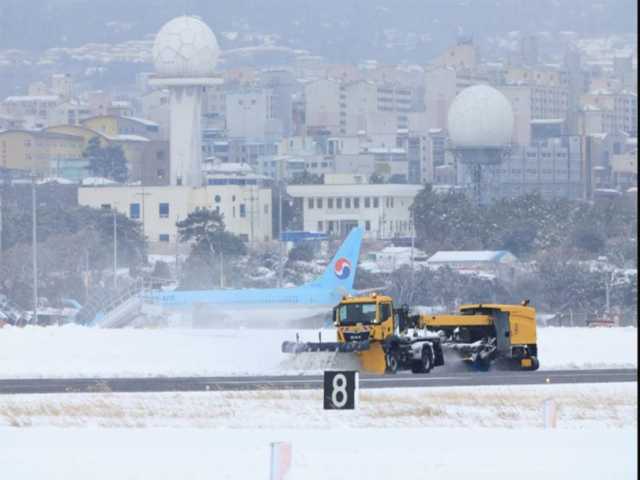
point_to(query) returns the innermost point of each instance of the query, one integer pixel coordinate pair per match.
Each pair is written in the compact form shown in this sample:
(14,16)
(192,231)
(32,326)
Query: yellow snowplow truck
(388,339)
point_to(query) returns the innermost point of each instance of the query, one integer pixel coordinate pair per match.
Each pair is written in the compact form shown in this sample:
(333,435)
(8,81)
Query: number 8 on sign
(339,395)
(340,390)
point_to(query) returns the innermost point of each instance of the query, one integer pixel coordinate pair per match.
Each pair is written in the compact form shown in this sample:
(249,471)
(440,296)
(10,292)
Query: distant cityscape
(345,144)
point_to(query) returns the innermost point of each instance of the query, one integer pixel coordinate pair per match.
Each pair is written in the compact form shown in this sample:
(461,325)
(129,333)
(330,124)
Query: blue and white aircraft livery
(315,297)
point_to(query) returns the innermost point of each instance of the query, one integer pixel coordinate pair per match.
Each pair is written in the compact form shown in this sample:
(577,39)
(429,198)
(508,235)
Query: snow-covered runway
(75,351)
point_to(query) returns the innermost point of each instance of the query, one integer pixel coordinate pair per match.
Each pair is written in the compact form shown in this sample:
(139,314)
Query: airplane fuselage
(307,295)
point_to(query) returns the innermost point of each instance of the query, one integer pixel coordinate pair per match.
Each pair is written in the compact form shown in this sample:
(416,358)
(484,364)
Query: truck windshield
(352,313)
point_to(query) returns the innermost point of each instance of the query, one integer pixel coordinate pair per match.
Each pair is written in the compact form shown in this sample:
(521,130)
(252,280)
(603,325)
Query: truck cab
(375,329)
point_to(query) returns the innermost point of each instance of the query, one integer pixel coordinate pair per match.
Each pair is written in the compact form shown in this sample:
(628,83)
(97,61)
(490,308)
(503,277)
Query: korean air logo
(342,268)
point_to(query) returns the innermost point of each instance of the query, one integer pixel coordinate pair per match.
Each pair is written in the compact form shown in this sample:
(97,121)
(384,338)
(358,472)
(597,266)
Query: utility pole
(607,295)
(34,248)
(177,250)
(115,249)
(280,264)
(221,269)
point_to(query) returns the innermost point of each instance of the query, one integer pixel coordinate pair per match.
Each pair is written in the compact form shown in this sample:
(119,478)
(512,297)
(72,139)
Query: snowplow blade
(301,347)
(371,356)
(373,360)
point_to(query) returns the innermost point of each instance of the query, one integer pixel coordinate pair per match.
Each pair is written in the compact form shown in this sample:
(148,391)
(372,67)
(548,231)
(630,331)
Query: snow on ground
(190,454)
(580,406)
(75,351)
(456,433)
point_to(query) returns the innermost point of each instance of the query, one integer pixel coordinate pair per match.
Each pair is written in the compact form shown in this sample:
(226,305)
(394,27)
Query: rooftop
(446,256)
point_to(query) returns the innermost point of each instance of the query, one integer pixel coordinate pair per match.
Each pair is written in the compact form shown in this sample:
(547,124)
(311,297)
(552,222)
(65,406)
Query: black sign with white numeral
(340,390)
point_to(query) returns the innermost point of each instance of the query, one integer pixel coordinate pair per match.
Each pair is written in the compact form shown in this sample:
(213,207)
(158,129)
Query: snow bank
(190,454)
(75,351)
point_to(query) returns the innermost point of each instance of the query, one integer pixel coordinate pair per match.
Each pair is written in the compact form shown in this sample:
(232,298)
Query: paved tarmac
(300,382)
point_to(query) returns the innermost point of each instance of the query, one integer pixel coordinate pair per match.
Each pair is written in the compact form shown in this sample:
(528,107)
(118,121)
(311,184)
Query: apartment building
(553,168)
(43,152)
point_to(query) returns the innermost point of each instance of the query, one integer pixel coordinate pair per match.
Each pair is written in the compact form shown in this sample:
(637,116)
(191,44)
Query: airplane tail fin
(341,270)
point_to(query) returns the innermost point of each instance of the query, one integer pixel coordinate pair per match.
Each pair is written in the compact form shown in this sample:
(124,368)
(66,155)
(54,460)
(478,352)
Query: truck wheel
(482,364)
(425,364)
(392,362)
(427,359)
(535,364)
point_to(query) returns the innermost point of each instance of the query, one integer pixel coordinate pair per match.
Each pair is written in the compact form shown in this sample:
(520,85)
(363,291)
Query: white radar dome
(480,116)
(185,47)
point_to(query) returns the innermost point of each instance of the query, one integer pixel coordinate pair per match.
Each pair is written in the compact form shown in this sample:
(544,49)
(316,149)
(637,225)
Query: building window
(243,210)
(134,210)
(367,202)
(216,199)
(320,226)
(163,210)
(347,202)
(329,202)
(163,237)
(105,206)
(338,203)
(330,229)
(356,202)
(367,225)
(310,203)
(319,202)
(376,202)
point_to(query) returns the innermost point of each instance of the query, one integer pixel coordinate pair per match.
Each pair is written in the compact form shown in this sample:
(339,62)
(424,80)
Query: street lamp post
(34,248)
(115,249)
(280,263)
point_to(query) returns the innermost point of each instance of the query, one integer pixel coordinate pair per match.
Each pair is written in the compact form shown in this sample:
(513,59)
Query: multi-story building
(10,123)
(155,107)
(553,168)
(246,208)
(383,210)
(624,170)
(71,112)
(34,110)
(115,126)
(357,108)
(147,159)
(323,99)
(62,85)
(281,167)
(610,112)
(283,87)
(42,152)
(249,114)
(247,150)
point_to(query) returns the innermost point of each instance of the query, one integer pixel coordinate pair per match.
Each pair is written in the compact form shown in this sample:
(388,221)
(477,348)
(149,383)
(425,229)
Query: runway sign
(341,390)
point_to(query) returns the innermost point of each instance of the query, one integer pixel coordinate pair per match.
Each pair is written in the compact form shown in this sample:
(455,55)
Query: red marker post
(280,460)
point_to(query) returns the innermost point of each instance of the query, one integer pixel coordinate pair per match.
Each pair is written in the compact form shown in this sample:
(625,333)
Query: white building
(34,110)
(496,263)
(337,206)
(246,208)
(322,109)
(250,115)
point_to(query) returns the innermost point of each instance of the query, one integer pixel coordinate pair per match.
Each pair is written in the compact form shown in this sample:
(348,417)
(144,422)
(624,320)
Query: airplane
(278,305)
